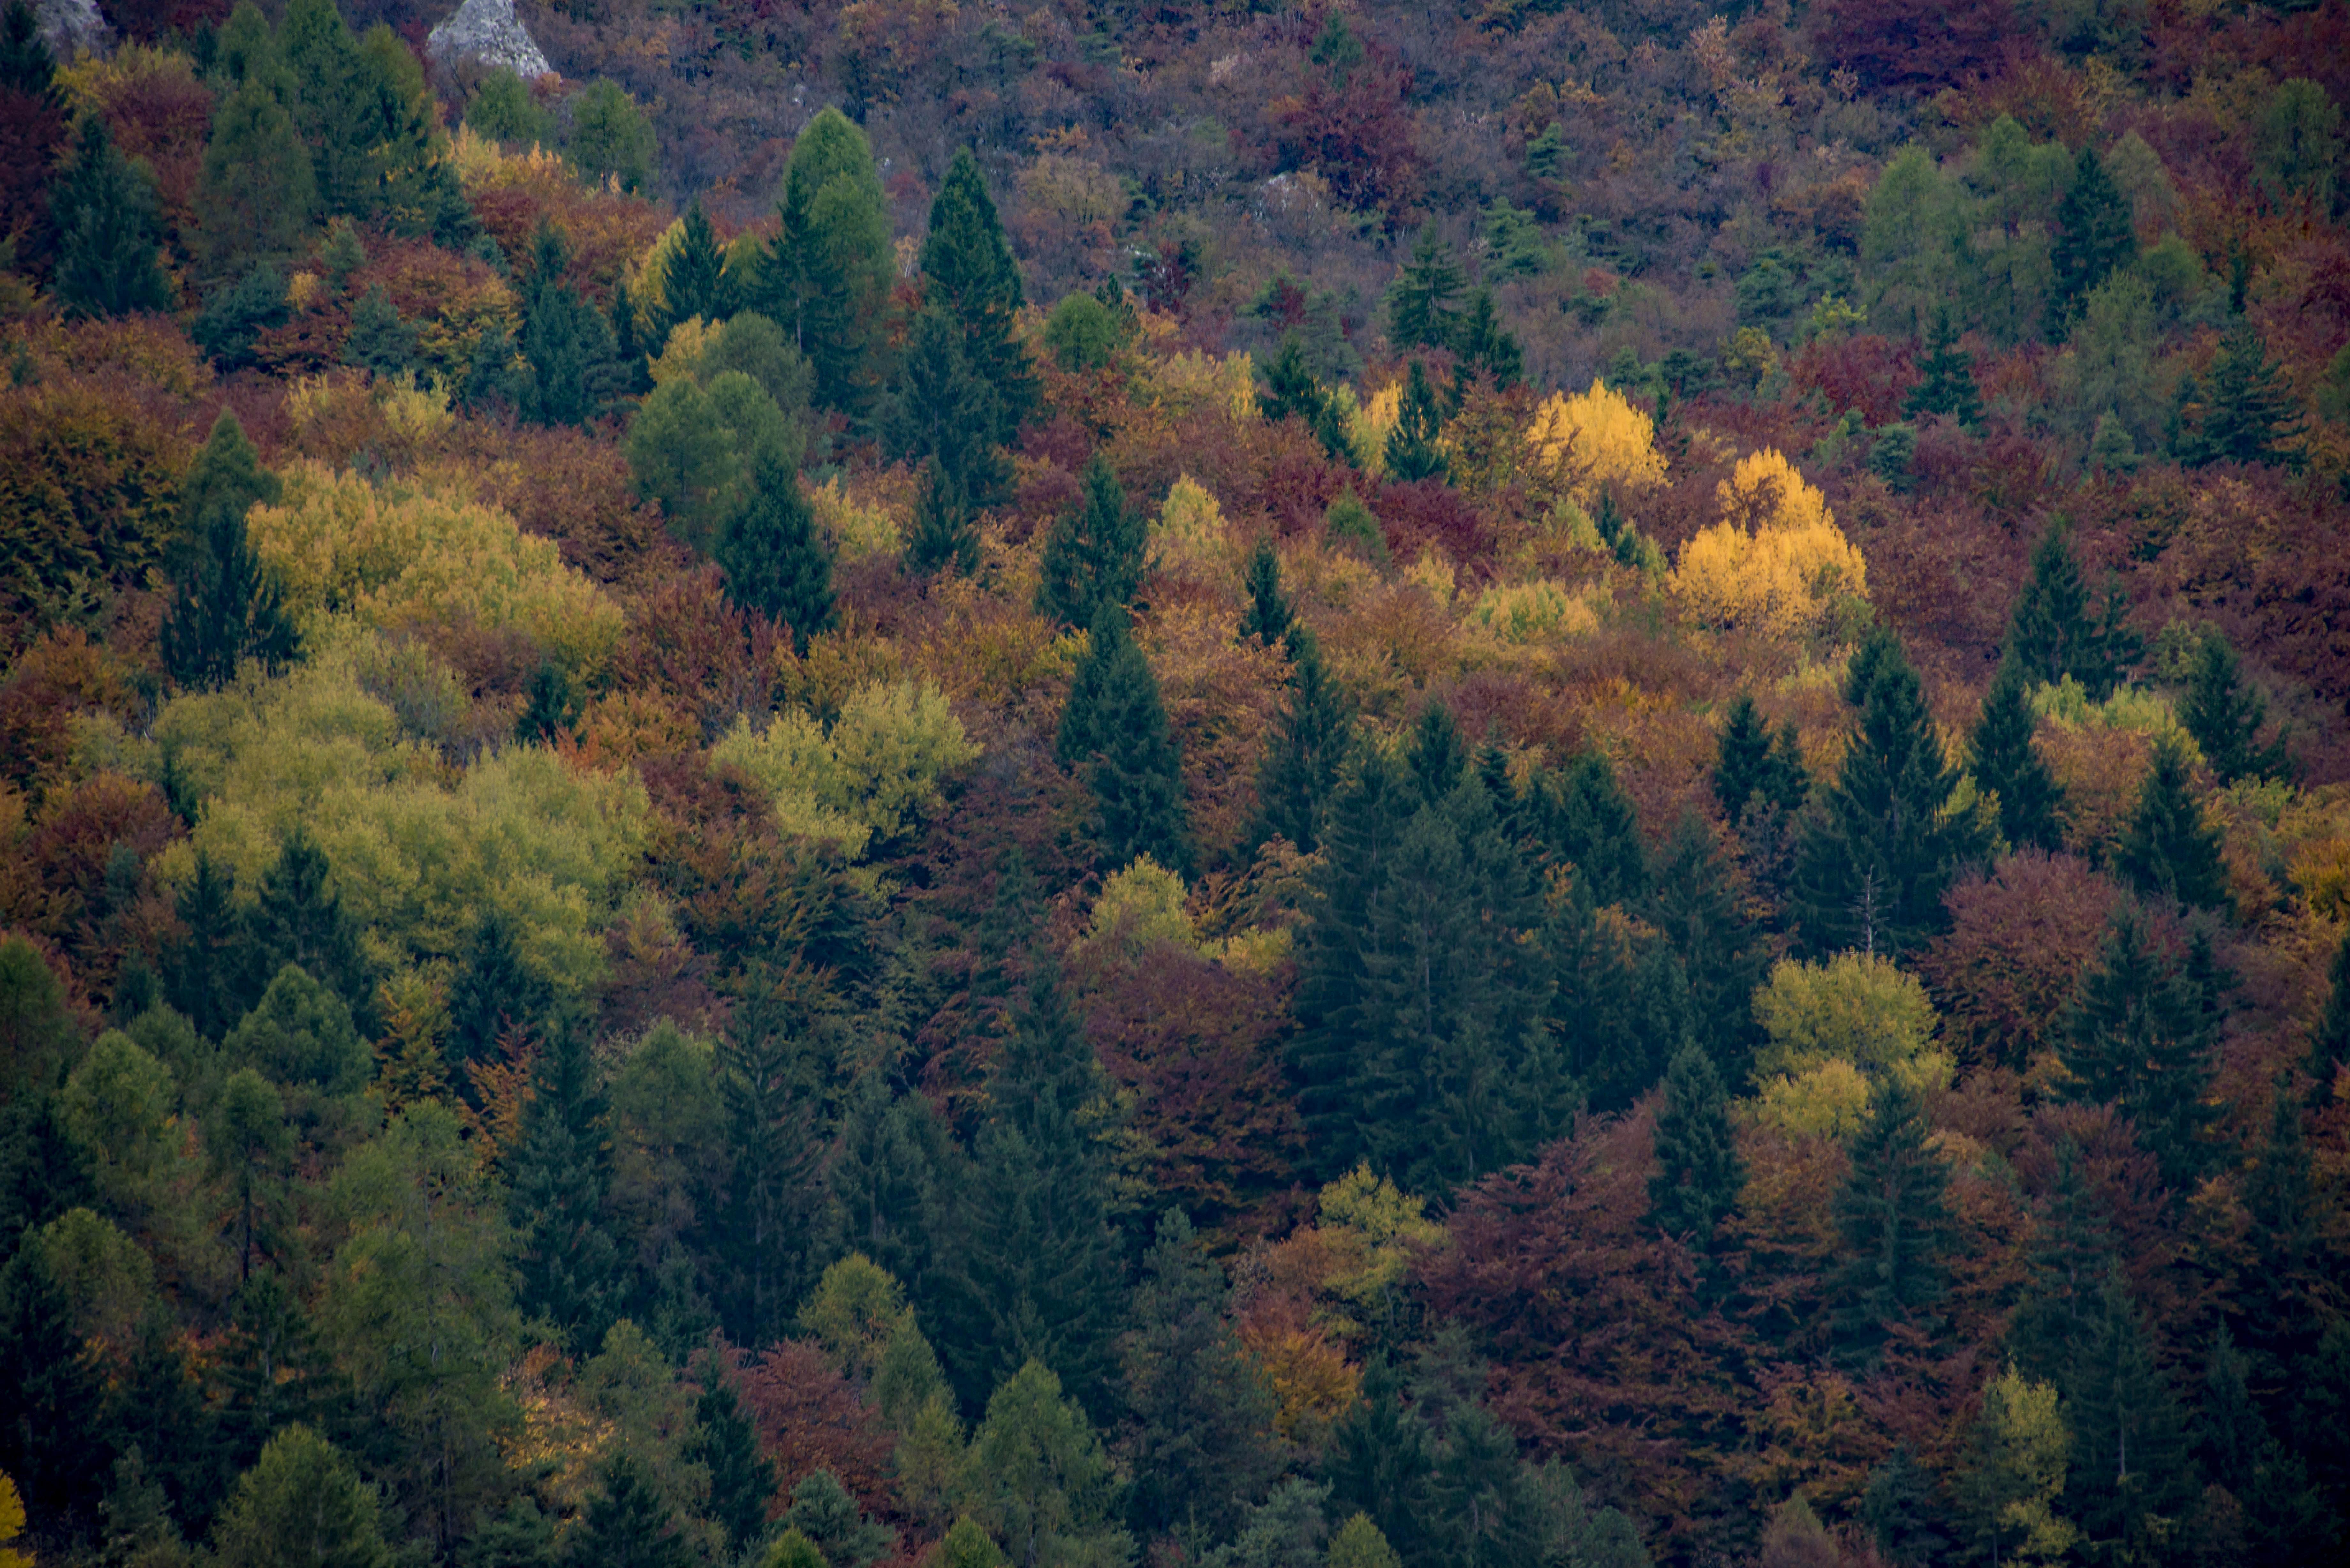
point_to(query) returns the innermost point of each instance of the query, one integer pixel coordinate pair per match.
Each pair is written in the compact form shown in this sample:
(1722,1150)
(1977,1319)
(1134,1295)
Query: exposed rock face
(69,26)
(489,32)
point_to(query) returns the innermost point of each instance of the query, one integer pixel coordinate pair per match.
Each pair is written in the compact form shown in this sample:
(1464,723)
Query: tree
(1298,777)
(2224,715)
(566,343)
(301,1506)
(1358,1543)
(945,534)
(1480,344)
(1945,378)
(2138,1039)
(298,916)
(1352,525)
(827,275)
(380,343)
(696,282)
(2171,850)
(969,272)
(1093,557)
(491,994)
(726,1443)
(1903,1511)
(1419,301)
(2329,1042)
(1114,731)
(1750,765)
(2005,764)
(773,561)
(2051,630)
(1411,450)
(225,608)
(2094,234)
(52,1398)
(1884,843)
(1291,389)
(1698,1173)
(1380,1462)
(823,1511)
(1579,816)
(1198,1441)
(1895,1225)
(764,1218)
(1269,616)
(250,1145)
(2016,1459)
(627,1525)
(611,138)
(561,1178)
(1692,900)
(2250,414)
(258,193)
(1040,1481)
(944,410)
(104,207)
(2128,1481)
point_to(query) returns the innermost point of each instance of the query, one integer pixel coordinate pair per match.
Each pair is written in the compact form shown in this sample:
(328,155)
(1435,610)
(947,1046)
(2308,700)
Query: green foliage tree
(1482,345)
(1114,731)
(1411,450)
(1093,557)
(2053,632)
(1945,378)
(968,272)
(2128,1483)
(1291,389)
(773,559)
(1895,1224)
(611,139)
(561,1180)
(2170,849)
(1579,816)
(568,346)
(1083,333)
(104,207)
(697,282)
(823,1511)
(942,409)
(1884,843)
(2329,1042)
(1690,899)
(1269,616)
(2224,715)
(2072,1246)
(2003,763)
(298,917)
(54,1395)
(1420,309)
(1040,1480)
(2094,234)
(380,342)
(2139,1039)
(503,110)
(258,193)
(1750,765)
(1698,1173)
(2250,414)
(726,1443)
(827,275)
(302,1505)
(628,1524)
(694,450)
(2297,145)
(225,606)
(2017,1455)
(764,1218)
(1298,777)
(945,533)
(250,1144)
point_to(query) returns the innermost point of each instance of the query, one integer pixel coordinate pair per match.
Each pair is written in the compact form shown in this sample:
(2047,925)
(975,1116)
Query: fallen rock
(489,33)
(70,26)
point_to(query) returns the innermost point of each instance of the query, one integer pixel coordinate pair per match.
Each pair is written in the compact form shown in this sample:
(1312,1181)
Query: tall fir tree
(566,343)
(1692,899)
(628,1524)
(2052,630)
(203,973)
(2004,763)
(1884,843)
(1945,378)
(1750,765)
(1269,616)
(2072,1248)
(2224,715)
(1894,1220)
(298,918)
(765,1222)
(2094,237)
(226,606)
(491,993)
(1579,816)
(1114,731)
(108,231)
(1698,1173)
(1380,1462)
(969,272)
(1298,777)
(560,1180)
(2250,413)
(1482,345)
(726,1443)
(1420,309)
(2329,1039)
(944,535)
(259,194)
(332,105)
(942,409)
(1411,450)
(2138,1037)
(380,342)
(1093,557)
(773,559)
(2128,1481)
(698,282)
(1291,389)
(2170,849)
(52,1393)
(825,276)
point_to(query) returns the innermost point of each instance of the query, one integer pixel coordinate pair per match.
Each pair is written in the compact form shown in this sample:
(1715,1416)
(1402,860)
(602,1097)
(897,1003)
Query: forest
(1214,783)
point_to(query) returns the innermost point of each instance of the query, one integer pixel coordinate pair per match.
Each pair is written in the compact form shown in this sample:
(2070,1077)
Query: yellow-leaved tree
(1836,1029)
(12,1525)
(2014,1471)
(1580,443)
(1777,560)
(877,770)
(1189,536)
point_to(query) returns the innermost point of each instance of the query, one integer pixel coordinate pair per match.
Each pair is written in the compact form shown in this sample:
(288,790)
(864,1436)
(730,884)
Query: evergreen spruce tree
(1411,450)
(825,276)
(1268,619)
(2072,1249)
(2138,1038)
(1291,389)
(2329,1042)
(1692,900)
(225,606)
(560,1178)
(1905,1511)
(942,409)
(1093,557)
(491,993)
(697,283)
(2224,715)
(775,562)
(380,342)
(1946,383)
(259,194)
(108,233)
(1380,1462)
(1749,765)
(1580,816)
(2052,631)
(2249,414)
(201,970)
(1698,1173)
(968,271)
(2281,1303)
(2094,237)
(634,368)
(2005,764)
(566,343)
(333,105)
(627,1525)
(767,1243)
(1883,845)
(1420,312)
(1298,774)
(52,1395)
(2127,1484)
(1895,1224)
(25,66)
(297,918)
(1114,733)
(945,535)
(893,1179)
(1482,345)
(2170,849)
(742,1479)
(823,1511)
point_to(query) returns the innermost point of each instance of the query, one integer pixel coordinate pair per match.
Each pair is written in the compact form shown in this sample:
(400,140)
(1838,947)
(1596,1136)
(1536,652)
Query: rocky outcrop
(68,27)
(488,33)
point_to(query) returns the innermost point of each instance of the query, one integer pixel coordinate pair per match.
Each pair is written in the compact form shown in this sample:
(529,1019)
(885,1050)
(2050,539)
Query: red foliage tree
(811,1418)
(2020,936)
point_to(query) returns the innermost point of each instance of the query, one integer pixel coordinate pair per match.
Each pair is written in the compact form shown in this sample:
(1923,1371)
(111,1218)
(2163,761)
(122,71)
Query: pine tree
(1094,556)
(825,276)
(627,1525)
(201,972)
(1298,774)
(297,918)
(1291,389)
(1945,378)
(380,342)
(225,606)
(108,233)
(944,535)
(2051,630)
(2071,1249)
(2281,1303)
(1581,817)
(2138,1038)
(1269,618)
(943,409)
(629,349)
(491,993)
(2224,715)
(1411,450)
(1698,1173)
(1380,1462)
(1420,303)
(1751,766)
(2329,1042)
(2170,849)
(969,272)
(52,1398)
(25,66)
(2128,1479)
(566,343)
(774,560)
(1692,900)
(1481,344)
(767,1239)
(1904,1509)
(697,283)
(2250,414)
(2094,237)
(258,193)
(726,1442)
(1895,1225)
(823,1511)
(1883,846)
(2005,764)
(561,1178)
(1114,731)
(333,105)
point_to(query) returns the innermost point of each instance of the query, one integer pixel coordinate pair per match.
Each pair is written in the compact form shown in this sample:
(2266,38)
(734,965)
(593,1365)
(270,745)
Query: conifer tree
(1291,389)
(2005,764)
(2249,414)
(823,1511)
(2138,1039)
(765,1080)
(726,1442)
(627,1524)
(944,535)
(2052,631)
(629,349)
(1699,1173)
(561,1177)
(1421,311)
(697,283)
(225,606)
(969,272)
(1114,733)
(775,562)
(1269,618)
(825,276)
(2094,237)
(491,993)
(1381,1461)
(2329,1042)
(1895,1224)
(258,193)
(2128,1479)
(297,918)
(104,207)
(1751,766)
(1094,556)
(2280,1310)
(1945,378)
(1411,450)
(1353,526)
(942,409)
(2071,1249)
(1480,344)
(1883,846)
(1298,774)
(1692,900)
(201,972)
(1580,816)
(2171,850)
(52,1396)
(2224,715)
(566,343)
(332,105)
(380,342)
